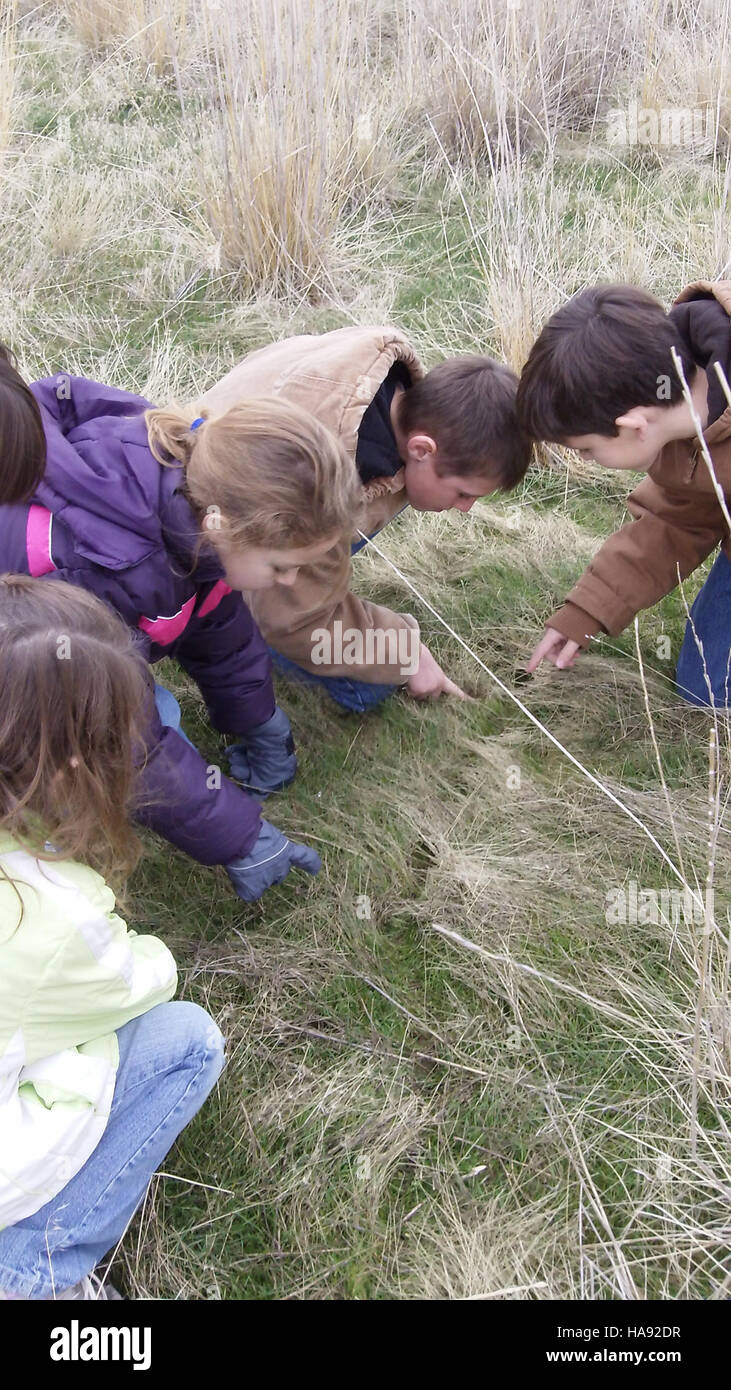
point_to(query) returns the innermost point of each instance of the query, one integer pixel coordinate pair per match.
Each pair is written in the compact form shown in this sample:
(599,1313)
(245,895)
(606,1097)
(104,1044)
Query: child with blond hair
(167,515)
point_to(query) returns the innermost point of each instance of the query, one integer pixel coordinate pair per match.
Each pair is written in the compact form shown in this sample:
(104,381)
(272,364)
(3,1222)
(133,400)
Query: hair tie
(198,422)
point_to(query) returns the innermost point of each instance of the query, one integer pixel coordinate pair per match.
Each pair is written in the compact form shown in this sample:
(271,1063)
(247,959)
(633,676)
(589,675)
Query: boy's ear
(635,419)
(420,447)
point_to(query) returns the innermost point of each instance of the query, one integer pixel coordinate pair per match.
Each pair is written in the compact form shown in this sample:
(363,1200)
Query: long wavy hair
(72,690)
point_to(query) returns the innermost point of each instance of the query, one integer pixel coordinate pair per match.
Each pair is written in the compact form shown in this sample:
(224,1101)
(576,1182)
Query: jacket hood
(101,479)
(334,375)
(701,314)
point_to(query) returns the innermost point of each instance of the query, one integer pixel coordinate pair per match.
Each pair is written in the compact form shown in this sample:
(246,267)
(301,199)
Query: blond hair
(271,471)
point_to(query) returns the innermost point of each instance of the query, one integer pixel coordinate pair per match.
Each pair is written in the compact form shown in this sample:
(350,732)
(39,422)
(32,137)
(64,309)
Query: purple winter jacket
(108,517)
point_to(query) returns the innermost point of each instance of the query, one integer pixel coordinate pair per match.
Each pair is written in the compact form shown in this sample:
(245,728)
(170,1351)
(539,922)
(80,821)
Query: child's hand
(555,648)
(269,862)
(429,681)
(264,759)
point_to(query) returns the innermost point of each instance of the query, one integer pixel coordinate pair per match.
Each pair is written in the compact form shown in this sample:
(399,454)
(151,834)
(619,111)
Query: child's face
(259,567)
(615,451)
(644,430)
(428,492)
(642,434)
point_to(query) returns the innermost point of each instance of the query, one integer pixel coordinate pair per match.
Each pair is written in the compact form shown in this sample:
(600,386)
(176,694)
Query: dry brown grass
(293,143)
(493,79)
(155,33)
(8,19)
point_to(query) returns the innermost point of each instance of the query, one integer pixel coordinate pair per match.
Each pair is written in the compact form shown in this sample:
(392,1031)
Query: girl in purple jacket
(166,518)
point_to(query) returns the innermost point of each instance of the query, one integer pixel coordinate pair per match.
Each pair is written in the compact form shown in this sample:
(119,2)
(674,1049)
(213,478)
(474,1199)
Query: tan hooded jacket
(677,523)
(335,376)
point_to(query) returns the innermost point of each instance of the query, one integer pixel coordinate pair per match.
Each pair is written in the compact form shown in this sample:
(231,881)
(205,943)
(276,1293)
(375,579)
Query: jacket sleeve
(290,617)
(102,976)
(182,797)
(228,659)
(190,802)
(638,565)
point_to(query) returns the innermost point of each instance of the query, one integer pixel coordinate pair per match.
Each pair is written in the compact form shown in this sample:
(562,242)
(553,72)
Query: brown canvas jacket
(335,376)
(677,523)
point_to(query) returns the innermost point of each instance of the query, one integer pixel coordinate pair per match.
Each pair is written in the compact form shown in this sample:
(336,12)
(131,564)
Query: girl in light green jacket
(99,1071)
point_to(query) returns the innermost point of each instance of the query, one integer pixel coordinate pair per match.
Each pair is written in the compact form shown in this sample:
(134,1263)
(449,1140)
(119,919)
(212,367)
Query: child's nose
(466,503)
(288,578)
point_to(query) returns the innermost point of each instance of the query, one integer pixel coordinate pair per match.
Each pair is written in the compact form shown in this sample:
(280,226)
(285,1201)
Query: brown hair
(71,692)
(467,405)
(22,438)
(604,352)
(274,473)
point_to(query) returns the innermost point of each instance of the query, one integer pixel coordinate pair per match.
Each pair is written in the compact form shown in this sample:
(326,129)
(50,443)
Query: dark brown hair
(467,405)
(600,355)
(71,694)
(22,439)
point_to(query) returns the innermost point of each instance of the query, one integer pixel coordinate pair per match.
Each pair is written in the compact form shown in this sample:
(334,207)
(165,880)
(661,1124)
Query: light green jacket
(71,973)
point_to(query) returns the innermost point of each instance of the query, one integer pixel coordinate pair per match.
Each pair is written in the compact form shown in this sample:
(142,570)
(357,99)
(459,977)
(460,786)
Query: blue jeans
(356,696)
(711,618)
(169,1060)
(169,710)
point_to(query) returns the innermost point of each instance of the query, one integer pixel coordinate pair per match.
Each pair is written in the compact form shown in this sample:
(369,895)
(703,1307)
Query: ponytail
(22,437)
(169,433)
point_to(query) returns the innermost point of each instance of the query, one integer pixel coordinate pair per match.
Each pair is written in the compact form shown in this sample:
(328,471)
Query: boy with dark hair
(436,441)
(601,379)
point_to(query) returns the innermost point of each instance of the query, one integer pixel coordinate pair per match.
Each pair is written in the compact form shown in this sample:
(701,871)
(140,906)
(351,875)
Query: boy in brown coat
(600,378)
(435,441)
